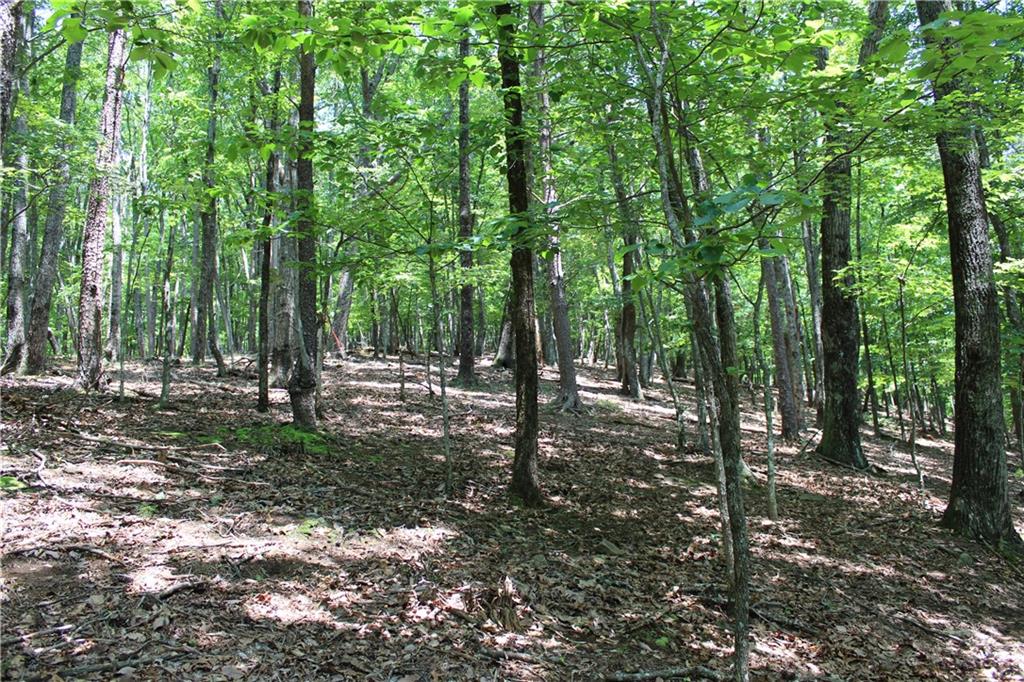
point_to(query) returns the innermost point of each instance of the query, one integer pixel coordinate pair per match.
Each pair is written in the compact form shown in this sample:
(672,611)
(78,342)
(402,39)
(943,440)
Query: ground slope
(204,541)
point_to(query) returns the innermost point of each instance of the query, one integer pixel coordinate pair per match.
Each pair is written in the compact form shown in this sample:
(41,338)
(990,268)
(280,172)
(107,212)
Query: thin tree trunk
(467,369)
(979,499)
(302,385)
(525,485)
(90,302)
(113,347)
(167,305)
(788,403)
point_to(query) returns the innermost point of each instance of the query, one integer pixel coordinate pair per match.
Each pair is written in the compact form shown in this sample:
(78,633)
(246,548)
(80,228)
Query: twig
(103,667)
(502,655)
(931,631)
(181,587)
(31,635)
(808,441)
(103,440)
(89,549)
(691,671)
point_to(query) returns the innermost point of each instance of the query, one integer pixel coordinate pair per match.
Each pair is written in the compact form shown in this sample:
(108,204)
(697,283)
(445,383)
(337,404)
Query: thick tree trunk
(10,15)
(525,484)
(978,503)
(467,373)
(840,436)
(90,301)
(302,385)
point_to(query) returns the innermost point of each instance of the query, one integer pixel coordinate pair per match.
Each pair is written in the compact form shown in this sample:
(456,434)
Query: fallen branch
(666,673)
(931,631)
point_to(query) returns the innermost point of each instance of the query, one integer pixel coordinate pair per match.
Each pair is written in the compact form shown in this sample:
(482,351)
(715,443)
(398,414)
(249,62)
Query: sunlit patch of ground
(191,542)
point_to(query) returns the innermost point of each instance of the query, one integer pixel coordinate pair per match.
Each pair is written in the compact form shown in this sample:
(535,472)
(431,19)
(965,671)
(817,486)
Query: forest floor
(207,542)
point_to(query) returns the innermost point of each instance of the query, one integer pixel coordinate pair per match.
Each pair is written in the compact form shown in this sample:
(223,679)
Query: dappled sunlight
(350,539)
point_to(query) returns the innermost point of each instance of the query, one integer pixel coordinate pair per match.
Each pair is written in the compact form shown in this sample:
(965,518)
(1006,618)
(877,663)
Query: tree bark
(10,15)
(90,301)
(525,484)
(112,351)
(467,360)
(789,405)
(17,278)
(840,436)
(979,500)
(269,186)
(302,385)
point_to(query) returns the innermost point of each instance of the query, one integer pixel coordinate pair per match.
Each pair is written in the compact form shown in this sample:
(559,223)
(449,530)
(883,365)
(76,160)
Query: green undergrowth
(283,438)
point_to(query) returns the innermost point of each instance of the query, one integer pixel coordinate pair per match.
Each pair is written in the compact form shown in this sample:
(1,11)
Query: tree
(525,484)
(17,277)
(568,392)
(302,385)
(205,329)
(978,501)
(467,375)
(53,232)
(90,301)
(840,430)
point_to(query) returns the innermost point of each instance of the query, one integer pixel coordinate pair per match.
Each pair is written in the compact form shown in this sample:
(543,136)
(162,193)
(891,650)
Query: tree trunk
(467,373)
(789,406)
(525,485)
(339,325)
(302,385)
(627,319)
(10,16)
(978,503)
(113,350)
(17,279)
(90,302)
(167,305)
(504,356)
(1012,304)
(840,436)
(269,186)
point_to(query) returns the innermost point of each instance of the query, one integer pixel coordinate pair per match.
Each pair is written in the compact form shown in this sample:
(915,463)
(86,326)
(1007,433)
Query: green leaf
(10,484)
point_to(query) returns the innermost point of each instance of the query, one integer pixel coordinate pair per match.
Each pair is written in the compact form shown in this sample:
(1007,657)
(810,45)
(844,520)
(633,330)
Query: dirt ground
(207,542)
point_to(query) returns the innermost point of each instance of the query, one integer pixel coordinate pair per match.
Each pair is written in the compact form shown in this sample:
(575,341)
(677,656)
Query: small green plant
(147,510)
(308,526)
(10,484)
(286,438)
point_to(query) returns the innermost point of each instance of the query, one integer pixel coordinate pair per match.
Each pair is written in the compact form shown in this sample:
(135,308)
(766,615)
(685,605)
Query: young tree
(978,501)
(302,385)
(53,231)
(90,301)
(568,392)
(525,484)
(467,375)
